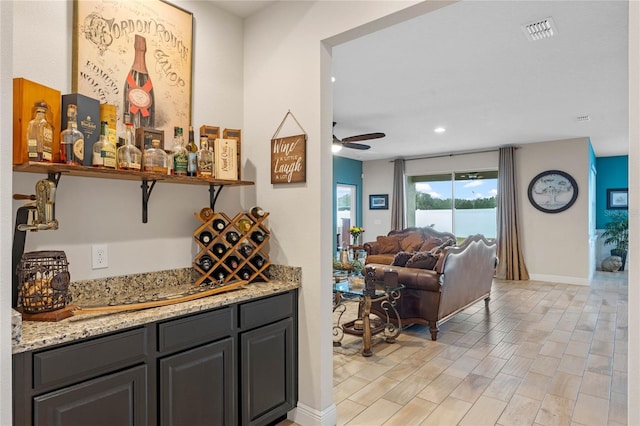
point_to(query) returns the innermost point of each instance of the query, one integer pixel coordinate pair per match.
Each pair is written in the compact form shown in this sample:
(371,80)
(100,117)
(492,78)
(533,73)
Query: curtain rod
(422,157)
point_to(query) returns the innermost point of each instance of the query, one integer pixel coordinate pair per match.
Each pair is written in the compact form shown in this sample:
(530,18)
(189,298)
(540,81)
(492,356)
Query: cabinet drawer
(85,360)
(267,310)
(194,330)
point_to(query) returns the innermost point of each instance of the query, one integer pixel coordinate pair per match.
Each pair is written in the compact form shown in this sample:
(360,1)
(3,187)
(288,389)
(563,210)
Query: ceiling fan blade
(355,145)
(365,137)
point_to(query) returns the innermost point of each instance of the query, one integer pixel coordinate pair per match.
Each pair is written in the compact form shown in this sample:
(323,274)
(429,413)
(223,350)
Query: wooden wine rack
(257,224)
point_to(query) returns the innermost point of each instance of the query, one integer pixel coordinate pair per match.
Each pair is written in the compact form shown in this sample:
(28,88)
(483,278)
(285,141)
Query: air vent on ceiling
(544,28)
(583,118)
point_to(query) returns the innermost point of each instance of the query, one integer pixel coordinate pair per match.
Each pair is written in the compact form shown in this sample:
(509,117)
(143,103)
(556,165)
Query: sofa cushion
(388,244)
(383,259)
(429,243)
(401,258)
(422,260)
(447,243)
(412,241)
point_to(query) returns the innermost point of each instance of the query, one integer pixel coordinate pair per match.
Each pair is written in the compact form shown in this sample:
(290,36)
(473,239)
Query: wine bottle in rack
(232,262)
(245,250)
(232,237)
(219,249)
(257,212)
(218,225)
(244,274)
(205,237)
(257,237)
(257,261)
(205,263)
(244,225)
(219,274)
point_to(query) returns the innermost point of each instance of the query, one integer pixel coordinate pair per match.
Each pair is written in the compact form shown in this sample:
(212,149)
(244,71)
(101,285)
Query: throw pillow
(388,244)
(430,243)
(449,242)
(422,260)
(412,241)
(401,258)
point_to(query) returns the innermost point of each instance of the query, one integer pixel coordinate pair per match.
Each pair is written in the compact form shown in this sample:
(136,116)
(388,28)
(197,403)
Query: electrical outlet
(99,256)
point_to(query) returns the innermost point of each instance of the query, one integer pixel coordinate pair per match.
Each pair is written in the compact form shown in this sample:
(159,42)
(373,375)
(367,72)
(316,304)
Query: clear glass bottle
(40,135)
(205,158)
(192,154)
(180,154)
(128,155)
(72,139)
(154,159)
(104,152)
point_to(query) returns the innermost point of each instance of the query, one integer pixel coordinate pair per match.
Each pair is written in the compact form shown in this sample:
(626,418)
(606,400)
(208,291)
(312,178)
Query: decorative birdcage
(43,278)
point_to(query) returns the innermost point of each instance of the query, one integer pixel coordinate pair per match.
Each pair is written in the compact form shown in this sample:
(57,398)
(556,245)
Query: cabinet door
(197,387)
(268,372)
(116,399)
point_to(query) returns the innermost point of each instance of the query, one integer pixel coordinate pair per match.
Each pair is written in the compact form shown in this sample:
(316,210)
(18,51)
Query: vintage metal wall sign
(289,156)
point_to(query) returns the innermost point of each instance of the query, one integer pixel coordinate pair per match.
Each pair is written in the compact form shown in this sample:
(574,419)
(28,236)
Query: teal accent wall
(349,172)
(613,172)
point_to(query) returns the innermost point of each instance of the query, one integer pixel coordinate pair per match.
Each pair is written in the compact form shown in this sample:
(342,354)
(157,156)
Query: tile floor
(541,354)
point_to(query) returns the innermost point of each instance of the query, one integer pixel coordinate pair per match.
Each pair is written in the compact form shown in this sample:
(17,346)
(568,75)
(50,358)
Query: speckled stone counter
(37,335)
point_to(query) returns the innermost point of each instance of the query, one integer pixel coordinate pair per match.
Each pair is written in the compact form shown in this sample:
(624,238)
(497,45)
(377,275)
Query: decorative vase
(355,240)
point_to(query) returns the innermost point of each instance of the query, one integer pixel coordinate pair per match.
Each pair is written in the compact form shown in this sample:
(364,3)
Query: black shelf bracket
(146,192)
(213,195)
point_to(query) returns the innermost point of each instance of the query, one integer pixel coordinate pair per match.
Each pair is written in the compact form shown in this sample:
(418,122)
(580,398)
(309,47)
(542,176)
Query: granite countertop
(31,335)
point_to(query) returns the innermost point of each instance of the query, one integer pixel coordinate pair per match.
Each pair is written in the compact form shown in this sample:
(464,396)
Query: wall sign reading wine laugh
(289,156)
(135,54)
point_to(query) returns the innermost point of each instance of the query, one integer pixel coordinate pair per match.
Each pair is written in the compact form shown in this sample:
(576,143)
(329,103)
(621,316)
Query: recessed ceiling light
(439,130)
(333,79)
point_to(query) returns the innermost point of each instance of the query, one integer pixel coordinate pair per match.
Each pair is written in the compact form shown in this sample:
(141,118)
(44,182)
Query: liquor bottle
(244,274)
(154,159)
(218,224)
(257,261)
(232,237)
(104,152)
(192,155)
(205,237)
(205,263)
(204,158)
(71,139)
(257,237)
(128,155)
(257,212)
(244,225)
(180,154)
(219,249)
(232,262)
(139,101)
(40,135)
(245,250)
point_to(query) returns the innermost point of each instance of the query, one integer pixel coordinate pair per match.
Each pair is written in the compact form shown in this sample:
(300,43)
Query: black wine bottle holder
(219,236)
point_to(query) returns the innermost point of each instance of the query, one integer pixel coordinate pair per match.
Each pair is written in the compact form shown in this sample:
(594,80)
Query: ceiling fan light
(336,147)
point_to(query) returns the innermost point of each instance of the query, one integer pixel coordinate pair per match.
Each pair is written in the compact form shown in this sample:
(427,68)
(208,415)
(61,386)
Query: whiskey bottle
(180,154)
(128,155)
(204,158)
(104,152)
(154,159)
(40,135)
(192,155)
(138,89)
(71,139)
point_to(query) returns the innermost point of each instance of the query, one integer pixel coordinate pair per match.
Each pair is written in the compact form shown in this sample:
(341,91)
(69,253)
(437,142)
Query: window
(463,203)
(346,212)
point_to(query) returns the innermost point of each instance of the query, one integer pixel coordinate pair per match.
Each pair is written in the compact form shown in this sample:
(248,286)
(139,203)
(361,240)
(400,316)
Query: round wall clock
(553,191)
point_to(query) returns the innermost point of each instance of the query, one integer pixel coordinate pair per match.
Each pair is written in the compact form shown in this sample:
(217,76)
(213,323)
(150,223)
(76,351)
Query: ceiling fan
(349,142)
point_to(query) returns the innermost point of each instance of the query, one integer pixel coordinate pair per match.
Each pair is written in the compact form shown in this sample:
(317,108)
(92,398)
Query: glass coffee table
(366,324)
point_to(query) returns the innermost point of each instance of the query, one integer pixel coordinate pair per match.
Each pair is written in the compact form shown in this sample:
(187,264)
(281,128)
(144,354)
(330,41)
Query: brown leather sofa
(385,248)
(462,276)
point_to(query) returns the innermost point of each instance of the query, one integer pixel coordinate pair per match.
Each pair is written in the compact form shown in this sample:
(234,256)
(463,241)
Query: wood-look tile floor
(541,354)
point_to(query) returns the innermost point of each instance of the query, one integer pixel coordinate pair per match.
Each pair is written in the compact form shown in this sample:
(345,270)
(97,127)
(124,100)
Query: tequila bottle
(71,139)
(104,152)
(40,135)
(129,156)
(205,158)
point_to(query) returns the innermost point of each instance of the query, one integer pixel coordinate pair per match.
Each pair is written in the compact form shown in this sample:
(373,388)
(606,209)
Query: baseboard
(307,416)
(560,279)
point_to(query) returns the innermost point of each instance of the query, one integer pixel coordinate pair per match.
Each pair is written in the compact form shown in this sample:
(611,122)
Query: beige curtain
(397,207)
(511,264)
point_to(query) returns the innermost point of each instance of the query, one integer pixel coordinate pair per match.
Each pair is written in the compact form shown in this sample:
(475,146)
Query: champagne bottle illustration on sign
(138,89)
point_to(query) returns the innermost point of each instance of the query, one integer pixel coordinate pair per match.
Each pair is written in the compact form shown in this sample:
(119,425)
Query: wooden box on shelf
(223,256)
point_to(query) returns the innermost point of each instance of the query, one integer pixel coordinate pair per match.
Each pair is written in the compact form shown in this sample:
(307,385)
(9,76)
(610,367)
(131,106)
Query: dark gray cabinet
(232,365)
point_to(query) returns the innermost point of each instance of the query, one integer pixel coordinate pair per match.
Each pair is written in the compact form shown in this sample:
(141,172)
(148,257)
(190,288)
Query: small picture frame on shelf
(379,202)
(617,198)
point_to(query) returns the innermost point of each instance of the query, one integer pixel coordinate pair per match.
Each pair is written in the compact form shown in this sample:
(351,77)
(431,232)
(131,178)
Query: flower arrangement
(355,232)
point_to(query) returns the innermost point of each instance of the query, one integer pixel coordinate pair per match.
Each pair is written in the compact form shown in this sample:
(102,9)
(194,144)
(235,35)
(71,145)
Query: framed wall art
(552,191)
(137,55)
(379,202)
(617,198)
